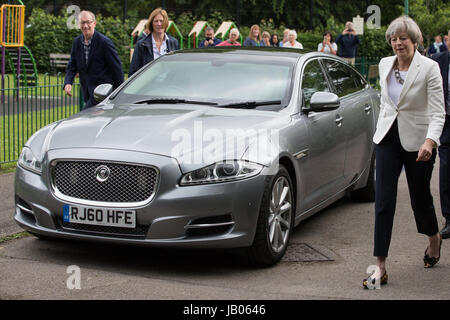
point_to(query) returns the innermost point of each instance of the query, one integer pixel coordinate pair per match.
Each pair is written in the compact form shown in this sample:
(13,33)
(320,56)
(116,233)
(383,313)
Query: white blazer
(420,111)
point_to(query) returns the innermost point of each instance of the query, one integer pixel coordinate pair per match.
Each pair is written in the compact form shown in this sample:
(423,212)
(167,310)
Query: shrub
(45,34)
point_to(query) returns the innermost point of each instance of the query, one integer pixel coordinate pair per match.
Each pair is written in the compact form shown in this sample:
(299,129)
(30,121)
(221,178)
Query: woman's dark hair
(331,36)
(278,40)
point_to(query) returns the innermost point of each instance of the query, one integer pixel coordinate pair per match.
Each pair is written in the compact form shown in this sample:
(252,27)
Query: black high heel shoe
(429,262)
(383,281)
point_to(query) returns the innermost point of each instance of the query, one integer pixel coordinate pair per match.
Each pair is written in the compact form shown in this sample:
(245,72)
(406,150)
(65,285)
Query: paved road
(37,269)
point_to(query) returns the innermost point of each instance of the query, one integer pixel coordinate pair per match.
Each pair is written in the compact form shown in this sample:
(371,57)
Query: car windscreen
(220,78)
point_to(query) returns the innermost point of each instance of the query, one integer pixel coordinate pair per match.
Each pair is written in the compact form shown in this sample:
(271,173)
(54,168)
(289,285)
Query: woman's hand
(426,150)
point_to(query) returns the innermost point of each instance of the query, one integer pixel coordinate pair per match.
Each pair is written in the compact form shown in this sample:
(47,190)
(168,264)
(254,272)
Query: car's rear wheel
(275,222)
(367,194)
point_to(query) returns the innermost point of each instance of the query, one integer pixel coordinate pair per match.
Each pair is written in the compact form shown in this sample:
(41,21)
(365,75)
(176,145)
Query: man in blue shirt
(348,41)
(210,41)
(437,47)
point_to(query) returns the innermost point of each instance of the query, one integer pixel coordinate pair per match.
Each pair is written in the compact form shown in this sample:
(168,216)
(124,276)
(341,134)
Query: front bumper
(216,215)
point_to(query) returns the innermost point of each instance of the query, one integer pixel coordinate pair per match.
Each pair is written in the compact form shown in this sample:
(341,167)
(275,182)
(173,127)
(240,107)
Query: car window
(217,78)
(359,80)
(313,80)
(342,77)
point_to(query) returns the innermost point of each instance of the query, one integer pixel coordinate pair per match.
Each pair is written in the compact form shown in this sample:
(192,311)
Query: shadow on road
(135,260)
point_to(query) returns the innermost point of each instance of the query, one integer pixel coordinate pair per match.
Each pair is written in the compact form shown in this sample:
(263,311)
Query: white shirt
(395,87)
(162,50)
(297,45)
(327,48)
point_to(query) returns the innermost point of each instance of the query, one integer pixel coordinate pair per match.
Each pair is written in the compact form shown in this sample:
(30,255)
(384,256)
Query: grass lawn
(7,168)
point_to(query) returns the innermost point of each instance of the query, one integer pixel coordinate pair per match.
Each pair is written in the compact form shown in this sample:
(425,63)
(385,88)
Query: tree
(432,16)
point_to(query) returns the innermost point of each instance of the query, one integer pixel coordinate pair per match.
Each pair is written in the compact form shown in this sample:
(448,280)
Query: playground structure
(221,33)
(196,32)
(224,30)
(194,36)
(16,56)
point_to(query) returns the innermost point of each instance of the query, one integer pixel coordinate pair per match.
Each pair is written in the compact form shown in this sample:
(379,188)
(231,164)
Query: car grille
(127,183)
(139,231)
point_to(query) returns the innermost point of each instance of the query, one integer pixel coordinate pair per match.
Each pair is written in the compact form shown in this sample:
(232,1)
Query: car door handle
(339,120)
(367,108)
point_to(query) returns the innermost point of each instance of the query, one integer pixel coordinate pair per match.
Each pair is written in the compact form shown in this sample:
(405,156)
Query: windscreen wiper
(174,101)
(249,104)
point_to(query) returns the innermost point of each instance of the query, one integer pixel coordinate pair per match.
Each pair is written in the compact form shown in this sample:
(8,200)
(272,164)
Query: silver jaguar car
(213,148)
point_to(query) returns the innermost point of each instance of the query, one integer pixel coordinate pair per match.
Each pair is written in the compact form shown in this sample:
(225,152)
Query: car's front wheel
(275,222)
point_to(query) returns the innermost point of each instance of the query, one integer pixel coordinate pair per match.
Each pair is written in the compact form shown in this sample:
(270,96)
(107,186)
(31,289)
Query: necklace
(397,74)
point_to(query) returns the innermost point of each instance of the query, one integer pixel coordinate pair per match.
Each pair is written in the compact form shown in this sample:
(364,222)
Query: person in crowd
(421,47)
(156,44)
(409,126)
(274,41)
(209,41)
(327,45)
(254,38)
(447,41)
(135,37)
(285,37)
(94,57)
(292,43)
(443,59)
(348,42)
(233,39)
(139,36)
(265,42)
(437,46)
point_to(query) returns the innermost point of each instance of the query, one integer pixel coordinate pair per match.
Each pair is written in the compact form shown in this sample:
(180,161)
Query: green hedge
(45,34)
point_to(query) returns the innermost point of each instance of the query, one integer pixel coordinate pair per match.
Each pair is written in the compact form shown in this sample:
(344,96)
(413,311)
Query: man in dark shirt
(94,58)
(210,41)
(348,41)
(443,59)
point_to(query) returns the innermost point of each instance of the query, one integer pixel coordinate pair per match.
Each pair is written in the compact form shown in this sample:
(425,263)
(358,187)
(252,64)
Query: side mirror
(102,91)
(324,101)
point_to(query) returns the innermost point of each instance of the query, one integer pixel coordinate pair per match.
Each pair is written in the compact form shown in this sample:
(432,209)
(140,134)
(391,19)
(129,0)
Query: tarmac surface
(327,259)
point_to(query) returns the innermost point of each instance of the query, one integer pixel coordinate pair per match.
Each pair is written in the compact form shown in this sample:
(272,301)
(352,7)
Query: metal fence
(25,110)
(368,67)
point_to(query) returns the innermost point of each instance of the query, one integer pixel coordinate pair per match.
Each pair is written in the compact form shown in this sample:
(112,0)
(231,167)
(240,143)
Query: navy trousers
(444,169)
(390,159)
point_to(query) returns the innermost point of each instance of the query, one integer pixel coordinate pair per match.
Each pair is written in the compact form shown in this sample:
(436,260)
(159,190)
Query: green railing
(25,110)
(368,67)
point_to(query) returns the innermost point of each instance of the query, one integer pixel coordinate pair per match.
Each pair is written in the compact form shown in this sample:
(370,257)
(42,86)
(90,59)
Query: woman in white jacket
(409,125)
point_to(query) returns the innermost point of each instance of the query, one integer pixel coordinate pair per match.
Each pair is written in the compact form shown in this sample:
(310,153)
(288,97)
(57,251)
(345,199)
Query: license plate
(100,216)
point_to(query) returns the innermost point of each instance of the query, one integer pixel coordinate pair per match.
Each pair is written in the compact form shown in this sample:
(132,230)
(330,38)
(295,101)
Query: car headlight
(222,172)
(28,161)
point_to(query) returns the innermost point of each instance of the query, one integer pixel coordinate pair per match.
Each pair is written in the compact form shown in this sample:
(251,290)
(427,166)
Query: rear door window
(342,77)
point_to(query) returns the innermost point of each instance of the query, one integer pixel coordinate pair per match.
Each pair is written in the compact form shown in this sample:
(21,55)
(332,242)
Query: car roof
(264,51)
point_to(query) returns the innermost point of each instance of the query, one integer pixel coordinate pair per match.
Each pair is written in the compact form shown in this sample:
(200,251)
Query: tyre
(367,194)
(275,221)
